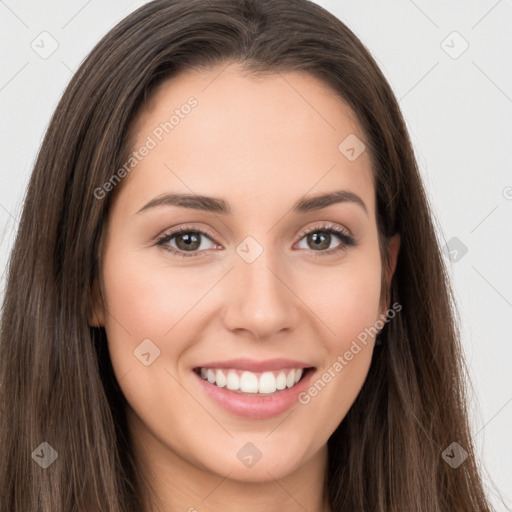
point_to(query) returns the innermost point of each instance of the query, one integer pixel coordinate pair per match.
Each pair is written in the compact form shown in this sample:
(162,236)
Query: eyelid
(172,232)
(324,225)
(341,232)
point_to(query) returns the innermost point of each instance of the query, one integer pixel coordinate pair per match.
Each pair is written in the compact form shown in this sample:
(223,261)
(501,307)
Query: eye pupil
(319,240)
(189,240)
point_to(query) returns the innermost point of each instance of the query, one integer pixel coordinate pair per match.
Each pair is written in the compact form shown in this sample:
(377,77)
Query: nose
(259,298)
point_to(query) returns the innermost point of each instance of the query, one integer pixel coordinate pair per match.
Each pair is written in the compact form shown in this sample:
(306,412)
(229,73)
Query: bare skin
(261,145)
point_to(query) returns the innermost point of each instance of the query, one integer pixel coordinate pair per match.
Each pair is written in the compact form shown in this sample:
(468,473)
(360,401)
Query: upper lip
(253,365)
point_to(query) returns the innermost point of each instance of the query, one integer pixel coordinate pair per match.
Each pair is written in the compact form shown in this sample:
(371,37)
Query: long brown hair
(56,380)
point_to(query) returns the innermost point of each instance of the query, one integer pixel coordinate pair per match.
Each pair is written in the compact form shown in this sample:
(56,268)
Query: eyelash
(347,239)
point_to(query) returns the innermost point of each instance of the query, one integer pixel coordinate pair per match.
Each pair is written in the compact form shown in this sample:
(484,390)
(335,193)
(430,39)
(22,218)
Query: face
(266,292)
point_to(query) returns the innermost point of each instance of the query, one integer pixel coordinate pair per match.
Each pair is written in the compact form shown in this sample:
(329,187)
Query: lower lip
(256,407)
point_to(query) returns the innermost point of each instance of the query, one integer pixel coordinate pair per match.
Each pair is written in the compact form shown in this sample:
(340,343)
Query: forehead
(247,137)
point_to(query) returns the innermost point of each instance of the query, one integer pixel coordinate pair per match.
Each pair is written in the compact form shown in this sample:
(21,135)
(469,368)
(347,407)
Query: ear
(97,318)
(393,250)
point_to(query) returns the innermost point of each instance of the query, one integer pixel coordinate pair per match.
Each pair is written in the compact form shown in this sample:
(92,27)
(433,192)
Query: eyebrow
(216,205)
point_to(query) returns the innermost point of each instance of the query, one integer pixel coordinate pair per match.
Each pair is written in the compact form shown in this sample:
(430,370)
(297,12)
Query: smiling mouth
(253,383)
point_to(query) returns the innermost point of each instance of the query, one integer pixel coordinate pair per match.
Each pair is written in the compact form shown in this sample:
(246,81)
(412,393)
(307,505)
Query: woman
(226,290)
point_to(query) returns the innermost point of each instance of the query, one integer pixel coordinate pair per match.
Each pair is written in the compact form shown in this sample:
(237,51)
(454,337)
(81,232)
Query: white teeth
(281,381)
(220,379)
(233,381)
(249,382)
(267,383)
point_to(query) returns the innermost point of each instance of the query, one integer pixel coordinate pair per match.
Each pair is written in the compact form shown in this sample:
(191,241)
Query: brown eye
(320,238)
(188,241)
(185,241)
(318,242)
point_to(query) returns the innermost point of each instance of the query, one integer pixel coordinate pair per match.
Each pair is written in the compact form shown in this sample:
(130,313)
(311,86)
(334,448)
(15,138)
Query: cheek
(145,301)
(346,297)
(150,312)
(149,299)
(354,304)
(347,300)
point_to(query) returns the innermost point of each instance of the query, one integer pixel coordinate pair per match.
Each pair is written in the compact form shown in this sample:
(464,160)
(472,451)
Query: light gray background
(458,110)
